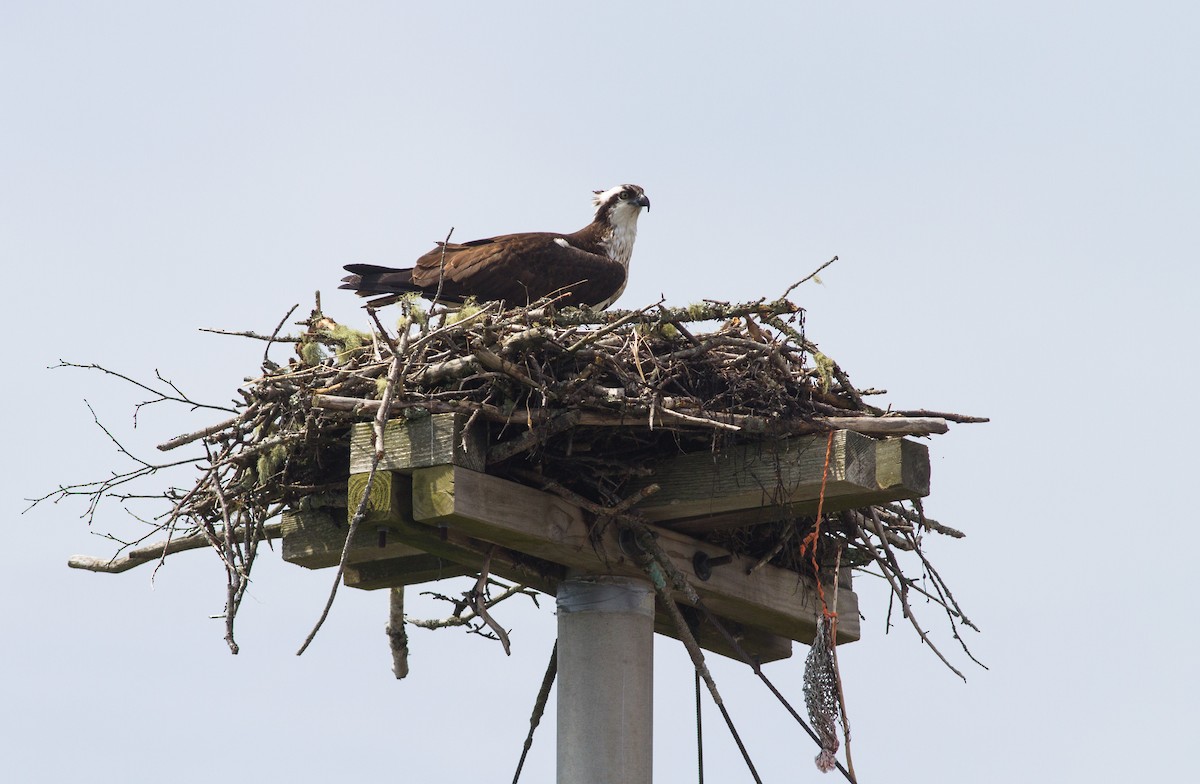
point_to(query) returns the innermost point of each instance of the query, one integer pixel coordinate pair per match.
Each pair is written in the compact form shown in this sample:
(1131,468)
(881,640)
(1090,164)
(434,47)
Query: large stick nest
(578,400)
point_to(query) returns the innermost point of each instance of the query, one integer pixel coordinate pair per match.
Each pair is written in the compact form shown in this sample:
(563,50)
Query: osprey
(589,267)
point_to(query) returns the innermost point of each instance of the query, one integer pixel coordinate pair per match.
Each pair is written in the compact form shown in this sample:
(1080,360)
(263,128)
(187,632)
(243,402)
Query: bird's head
(621,205)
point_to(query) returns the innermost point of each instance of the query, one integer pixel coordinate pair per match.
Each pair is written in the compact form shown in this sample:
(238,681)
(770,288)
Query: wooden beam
(902,464)
(390,507)
(436,439)
(545,526)
(759,643)
(314,539)
(752,483)
(398,572)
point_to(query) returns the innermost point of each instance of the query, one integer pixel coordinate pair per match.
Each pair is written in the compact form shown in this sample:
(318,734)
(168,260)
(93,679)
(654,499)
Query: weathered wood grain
(392,510)
(436,439)
(759,643)
(543,525)
(397,572)
(752,483)
(314,538)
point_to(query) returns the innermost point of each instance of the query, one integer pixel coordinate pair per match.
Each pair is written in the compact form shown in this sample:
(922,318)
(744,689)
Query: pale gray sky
(1012,189)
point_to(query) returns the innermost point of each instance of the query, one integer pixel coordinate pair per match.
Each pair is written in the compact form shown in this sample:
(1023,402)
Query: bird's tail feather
(369,280)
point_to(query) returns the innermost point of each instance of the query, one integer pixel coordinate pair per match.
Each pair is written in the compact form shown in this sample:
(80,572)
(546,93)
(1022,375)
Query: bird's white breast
(619,243)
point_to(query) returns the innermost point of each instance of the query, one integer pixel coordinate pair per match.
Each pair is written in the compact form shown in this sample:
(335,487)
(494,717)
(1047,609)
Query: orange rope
(809,543)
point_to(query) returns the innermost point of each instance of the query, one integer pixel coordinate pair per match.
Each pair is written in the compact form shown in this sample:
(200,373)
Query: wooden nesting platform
(435,513)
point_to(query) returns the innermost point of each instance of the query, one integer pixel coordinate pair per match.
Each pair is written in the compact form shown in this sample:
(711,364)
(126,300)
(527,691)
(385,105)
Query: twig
(480,605)
(236,561)
(926,522)
(442,266)
(244,333)
(591,337)
(178,397)
(946,415)
(501,365)
(538,434)
(808,277)
(889,573)
(275,332)
(695,420)
(461,618)
(393,382)
(764,559)
(196,435)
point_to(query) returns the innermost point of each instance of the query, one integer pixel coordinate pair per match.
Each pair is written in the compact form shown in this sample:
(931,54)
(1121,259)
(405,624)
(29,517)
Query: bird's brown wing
(520,268)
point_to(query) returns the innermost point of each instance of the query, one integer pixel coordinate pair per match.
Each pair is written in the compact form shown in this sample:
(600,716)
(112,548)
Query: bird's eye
(624,195)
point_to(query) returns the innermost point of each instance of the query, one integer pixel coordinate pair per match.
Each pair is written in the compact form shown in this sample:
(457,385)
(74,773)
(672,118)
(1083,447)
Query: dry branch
(158,550)
(397,636)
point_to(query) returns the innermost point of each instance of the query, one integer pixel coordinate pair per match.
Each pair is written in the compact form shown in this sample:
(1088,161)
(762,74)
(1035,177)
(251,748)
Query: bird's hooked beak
(643,201)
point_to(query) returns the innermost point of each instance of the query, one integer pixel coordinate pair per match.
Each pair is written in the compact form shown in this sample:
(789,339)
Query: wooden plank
(393,510)
(758,643)
(390,508)
(432,440)
(543,525)
(314,538)
(901,463)
(397,572)
(764,481)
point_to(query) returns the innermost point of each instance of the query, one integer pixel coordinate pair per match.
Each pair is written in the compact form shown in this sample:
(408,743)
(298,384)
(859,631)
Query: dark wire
(687,633)
(738,740)
(699,734)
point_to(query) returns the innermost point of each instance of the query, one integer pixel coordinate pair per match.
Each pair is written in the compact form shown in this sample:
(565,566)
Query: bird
(589,267)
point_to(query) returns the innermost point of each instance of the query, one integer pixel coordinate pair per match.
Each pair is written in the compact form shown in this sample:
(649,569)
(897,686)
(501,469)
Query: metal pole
(605,680)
